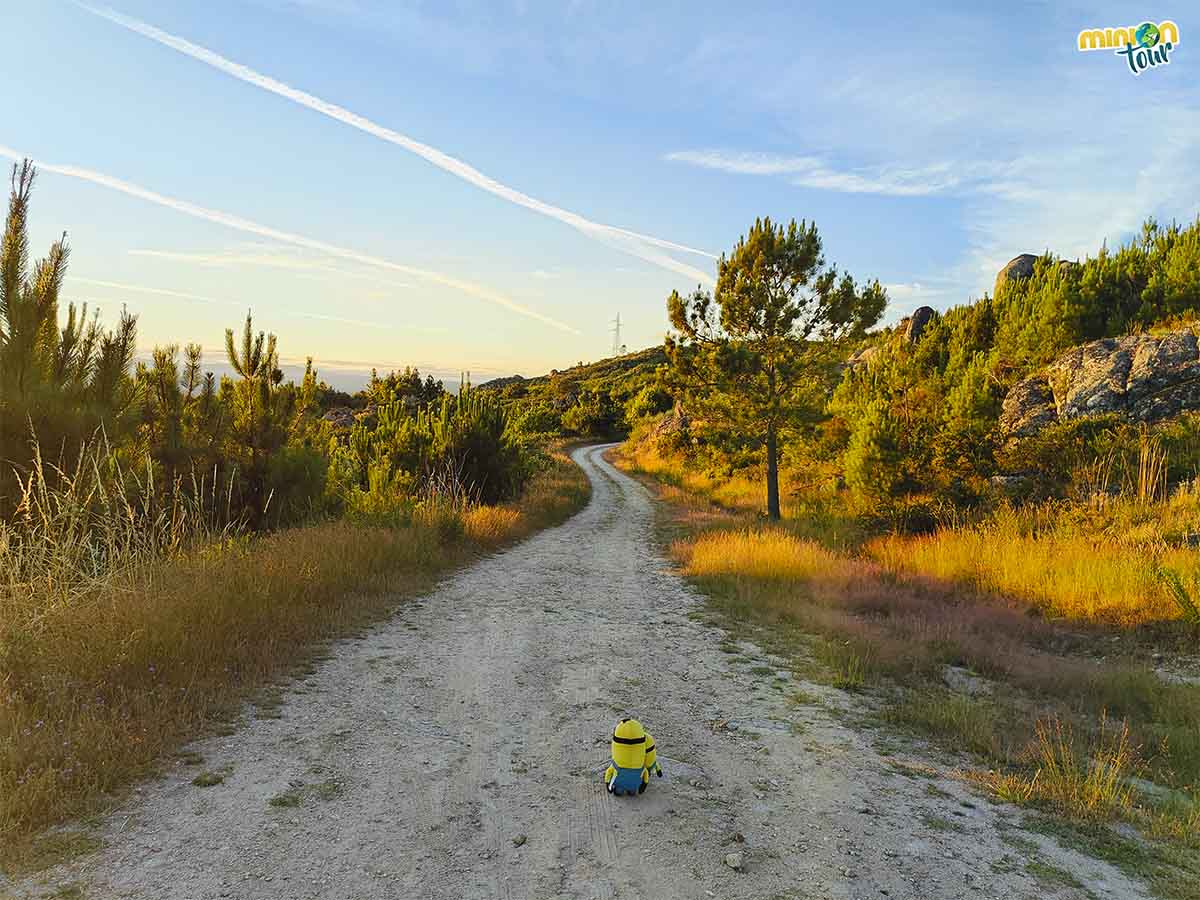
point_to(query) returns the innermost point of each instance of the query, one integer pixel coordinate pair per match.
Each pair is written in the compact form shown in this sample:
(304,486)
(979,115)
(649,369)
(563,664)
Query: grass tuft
(1091,783)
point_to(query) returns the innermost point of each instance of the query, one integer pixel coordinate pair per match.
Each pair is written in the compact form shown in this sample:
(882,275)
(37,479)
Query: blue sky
(529,170)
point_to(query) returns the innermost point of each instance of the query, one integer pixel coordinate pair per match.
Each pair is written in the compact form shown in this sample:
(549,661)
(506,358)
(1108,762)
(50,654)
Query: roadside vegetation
(599,400)
(171,544)
(1031,603)
(1068,718)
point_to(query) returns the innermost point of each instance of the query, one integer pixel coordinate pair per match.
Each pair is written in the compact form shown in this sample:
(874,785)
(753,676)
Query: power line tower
(617,349)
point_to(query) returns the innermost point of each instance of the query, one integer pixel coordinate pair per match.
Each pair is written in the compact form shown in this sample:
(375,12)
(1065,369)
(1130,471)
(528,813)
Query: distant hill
(600,399)
(611,369)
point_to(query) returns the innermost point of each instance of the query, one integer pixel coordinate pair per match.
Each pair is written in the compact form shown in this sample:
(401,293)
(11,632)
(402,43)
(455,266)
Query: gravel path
(457,751)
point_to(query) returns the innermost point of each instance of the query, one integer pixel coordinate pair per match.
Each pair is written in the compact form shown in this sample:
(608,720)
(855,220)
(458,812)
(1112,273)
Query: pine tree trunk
(772,473)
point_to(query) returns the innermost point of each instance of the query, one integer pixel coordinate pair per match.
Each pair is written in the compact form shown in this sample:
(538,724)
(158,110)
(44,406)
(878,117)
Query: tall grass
(809,514)
(764,553)
(1070,577)
(77,527)
(1102,561)
(1182,594)
(128,625)
(1093,562)
(1083,781)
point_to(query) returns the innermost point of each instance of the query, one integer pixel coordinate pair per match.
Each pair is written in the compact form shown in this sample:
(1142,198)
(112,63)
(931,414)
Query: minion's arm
(610,773)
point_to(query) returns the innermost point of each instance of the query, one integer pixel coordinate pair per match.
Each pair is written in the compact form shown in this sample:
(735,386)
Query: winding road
(456,751)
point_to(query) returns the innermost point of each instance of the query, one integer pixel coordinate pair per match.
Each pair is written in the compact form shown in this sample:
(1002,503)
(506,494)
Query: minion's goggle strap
(621,740)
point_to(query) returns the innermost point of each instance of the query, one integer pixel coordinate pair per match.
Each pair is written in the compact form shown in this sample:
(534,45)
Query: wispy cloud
(225,259)
(228,259)
(245,225)
(644,246)
(904,290)
(200,298)
(894,180)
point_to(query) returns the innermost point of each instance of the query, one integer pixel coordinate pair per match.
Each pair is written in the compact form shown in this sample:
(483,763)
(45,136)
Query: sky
(484,186)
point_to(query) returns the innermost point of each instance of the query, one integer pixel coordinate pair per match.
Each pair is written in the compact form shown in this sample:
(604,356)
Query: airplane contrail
(200,298)
(264,259)
(621,238)
(236,222)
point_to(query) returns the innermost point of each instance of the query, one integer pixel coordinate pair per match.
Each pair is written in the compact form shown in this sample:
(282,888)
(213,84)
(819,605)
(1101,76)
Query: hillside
(600,399)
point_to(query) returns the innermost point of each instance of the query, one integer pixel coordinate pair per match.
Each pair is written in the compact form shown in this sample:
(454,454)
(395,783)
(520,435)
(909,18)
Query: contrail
(620,238)
(265,259)
(199,298)
(236,222)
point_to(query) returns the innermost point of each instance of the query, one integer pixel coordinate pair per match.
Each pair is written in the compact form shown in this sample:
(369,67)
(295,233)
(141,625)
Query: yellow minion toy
(652,756)
(626,773)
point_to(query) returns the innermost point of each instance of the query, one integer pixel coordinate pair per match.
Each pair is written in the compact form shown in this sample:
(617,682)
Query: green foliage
(594,414)
(250,450)
(464,448)
(60,383)
(947,388)
(873,459)
(594,401)
(1152,279)
(537,419)
(405,387)
(260,410)
(1184,596)
(753,356)
(651,400)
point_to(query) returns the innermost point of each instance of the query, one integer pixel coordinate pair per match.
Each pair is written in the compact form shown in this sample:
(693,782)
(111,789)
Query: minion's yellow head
(651,752)
(629,744)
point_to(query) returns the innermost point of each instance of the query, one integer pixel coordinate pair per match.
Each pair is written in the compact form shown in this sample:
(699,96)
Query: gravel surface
(457,752)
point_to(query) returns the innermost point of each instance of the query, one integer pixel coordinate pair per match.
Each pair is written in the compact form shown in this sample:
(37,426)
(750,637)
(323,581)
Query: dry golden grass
(1072,577)
(1092,564)
(763,553)
(807,514)
(1082,781)
(491,524)
(100,677)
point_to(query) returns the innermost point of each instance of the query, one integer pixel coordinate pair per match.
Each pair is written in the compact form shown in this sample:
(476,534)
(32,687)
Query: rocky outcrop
(340,417)
(1011,484)
(1141,378)
(916,323)
(672,426)
(1019,267)
(863,356)
(1028,407)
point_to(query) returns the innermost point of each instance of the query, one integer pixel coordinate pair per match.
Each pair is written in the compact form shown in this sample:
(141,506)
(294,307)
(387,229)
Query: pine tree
(260,414)
(752,357)
(66,382)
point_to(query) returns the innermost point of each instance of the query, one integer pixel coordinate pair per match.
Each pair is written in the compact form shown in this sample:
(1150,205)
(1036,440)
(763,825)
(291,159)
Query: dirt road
(457,751)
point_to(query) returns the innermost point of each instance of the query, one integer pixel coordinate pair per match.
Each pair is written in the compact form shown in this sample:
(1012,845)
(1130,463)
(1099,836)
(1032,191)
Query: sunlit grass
(763,553)
(1099,563)
(1087,781)
(1071,577)
(807,514)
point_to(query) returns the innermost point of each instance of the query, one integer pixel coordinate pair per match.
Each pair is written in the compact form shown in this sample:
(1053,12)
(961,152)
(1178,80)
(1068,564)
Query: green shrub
(465,448)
